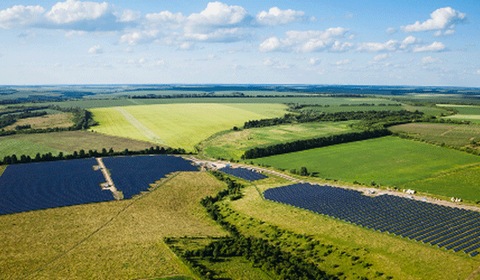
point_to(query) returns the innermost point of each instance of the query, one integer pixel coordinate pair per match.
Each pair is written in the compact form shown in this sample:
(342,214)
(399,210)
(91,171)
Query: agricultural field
(233,144)
(66,142)
(60,120)
(341,248)
(458,136)
(464,112)
(387,161)
(115,240)
(178,125)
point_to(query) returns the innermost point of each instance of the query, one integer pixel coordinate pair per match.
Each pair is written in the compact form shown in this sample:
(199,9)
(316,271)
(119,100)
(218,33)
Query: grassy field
(388,161)
(346,250)
(464,112)
(114,240)
(234,143)
(66,142)
(60,120)
(450,134)
(179,125)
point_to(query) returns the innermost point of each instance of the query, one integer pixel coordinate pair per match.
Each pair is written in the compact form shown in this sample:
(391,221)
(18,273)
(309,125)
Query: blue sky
(285,42)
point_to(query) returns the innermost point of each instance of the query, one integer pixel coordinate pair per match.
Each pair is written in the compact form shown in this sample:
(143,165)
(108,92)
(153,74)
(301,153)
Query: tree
(303,171)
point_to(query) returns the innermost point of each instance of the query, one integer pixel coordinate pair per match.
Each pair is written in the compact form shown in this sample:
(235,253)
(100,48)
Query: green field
(344,248)
(388,161)
(60,120)
(66,142)
(457,136)
(464,112)
(234,143)
(112,240)
(179,125)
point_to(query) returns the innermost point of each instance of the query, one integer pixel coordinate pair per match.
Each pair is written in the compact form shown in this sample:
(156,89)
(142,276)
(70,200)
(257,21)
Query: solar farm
(133,175)
(445,227)
(244,173)
(34,186)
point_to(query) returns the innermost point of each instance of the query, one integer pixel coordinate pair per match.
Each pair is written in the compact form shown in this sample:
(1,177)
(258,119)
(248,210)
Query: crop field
(234,143)
(464,112)
(449,228)
(60,120)
(115,240)
(178,125)
(388,161)
(66,142)
(344,249)
(450,134)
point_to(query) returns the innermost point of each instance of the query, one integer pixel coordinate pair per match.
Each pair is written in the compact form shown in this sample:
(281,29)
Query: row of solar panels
(446,227)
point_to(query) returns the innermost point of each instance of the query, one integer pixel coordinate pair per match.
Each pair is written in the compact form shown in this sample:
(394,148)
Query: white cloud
(97,49)
(314,61)
(20,16)
(165,18)
(391,30)
(429,60)
(410,40)
(218,22)
(381,57)
(276,16)
(129,16)
(136,37)
(478,71)
(270,44)
(441,20)
(308,41)
(390,45)
(73,11)
(433,47)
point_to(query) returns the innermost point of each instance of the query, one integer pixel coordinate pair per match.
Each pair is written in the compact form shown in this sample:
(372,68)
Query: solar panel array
(446,227)
(33,186)
(43,185)
(134,174)
(243,173)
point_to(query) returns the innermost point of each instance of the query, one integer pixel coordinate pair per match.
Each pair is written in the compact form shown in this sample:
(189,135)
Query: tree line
(256,250)
(14,159)
(369,117)
(300,145)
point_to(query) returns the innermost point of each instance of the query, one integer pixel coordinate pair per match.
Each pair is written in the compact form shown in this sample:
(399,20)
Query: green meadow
(457,136)
(387,161)
(66,142)
(233,144)
(179,125)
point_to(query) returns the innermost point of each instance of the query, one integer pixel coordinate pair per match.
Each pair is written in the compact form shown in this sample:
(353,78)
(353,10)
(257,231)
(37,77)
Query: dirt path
(139,125)
(109,185)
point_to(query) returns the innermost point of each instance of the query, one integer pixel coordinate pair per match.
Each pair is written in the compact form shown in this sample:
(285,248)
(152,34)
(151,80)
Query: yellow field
(179,125)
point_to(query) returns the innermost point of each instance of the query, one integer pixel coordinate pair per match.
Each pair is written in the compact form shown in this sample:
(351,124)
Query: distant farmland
(386,161)
(179,125)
